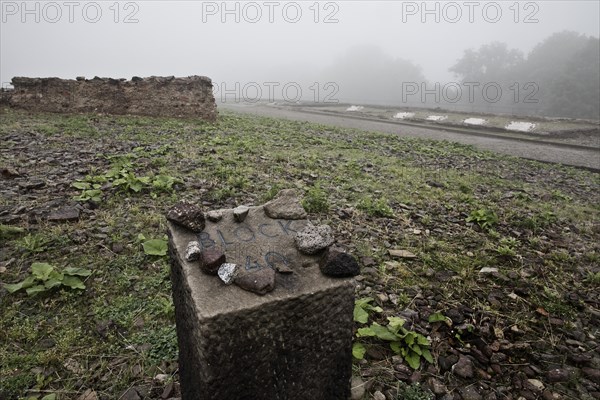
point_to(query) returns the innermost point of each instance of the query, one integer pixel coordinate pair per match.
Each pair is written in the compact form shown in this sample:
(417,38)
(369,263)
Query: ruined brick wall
(155,96)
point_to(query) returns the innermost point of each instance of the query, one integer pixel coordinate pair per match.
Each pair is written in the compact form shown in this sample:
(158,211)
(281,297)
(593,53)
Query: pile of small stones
(312,240)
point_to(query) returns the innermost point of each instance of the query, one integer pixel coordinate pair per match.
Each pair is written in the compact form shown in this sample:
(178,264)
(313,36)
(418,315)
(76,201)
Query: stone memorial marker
(283,330)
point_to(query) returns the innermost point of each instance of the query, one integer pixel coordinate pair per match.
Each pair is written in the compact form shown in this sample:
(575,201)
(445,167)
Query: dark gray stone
(211,259)
(261,281)
(470,393)
(33,184)
(558,375)
(64,214)
(463,368)
(338,264)
(187,215)
(285,206)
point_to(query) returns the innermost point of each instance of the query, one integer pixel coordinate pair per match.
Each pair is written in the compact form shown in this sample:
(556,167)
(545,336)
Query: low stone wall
(156,96)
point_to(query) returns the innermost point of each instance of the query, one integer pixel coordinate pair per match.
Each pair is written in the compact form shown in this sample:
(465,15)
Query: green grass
(124,318)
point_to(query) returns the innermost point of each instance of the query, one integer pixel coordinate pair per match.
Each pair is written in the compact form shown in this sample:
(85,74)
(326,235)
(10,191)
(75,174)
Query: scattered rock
(211,260)
(168,391)
(338,264)
(240,213)
(557,375)
(378,396)
(161,378)
(117,248)
(33,184)
(488,270)
(401,253)
(285,206)
(446,362)
(470,393)
(313,239)
(192,251)
(130,394)
(261,281)
(64,214)
(8,173)
(73,365)
(358,388)
(227,272)
(187,215)
(534,385)
(88,395)
(592,373)
(463,368)
(368,262)
(436,386)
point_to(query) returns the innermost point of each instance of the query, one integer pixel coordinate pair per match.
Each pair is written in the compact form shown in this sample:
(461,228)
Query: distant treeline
(560,77)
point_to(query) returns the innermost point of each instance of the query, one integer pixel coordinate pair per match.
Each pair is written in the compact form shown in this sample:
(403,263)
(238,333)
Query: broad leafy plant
(411,345)
(45,277)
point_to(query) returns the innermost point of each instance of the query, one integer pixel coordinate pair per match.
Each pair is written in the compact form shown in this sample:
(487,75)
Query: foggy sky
(189,38)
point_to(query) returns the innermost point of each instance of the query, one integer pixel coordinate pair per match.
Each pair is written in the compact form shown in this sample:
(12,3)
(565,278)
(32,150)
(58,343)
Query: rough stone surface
(192,251)
(187,215)
(155,96)
(285,206)
(227,272)
(378,395)
(214,215)
(240,213)
(313,239)
(261,281)
(358,388)
(211,259)
(64,214)
(235,344)
(463,368)
(338,264)
(558,375)
(470,393)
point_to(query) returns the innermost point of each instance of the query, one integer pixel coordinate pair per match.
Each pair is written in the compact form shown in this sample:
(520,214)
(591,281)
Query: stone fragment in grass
(401,253)
(64,214)
(188,216)
(463,368)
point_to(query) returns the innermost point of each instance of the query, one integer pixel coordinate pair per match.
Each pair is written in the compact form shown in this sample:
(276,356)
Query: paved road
(586,158)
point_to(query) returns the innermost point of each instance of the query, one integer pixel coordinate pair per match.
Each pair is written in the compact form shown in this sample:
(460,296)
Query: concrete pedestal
(292,343)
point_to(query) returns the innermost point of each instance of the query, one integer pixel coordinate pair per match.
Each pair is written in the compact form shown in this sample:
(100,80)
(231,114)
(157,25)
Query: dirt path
(553,153)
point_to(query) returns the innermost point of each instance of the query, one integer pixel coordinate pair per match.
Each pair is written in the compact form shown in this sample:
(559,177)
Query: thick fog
(537,57)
